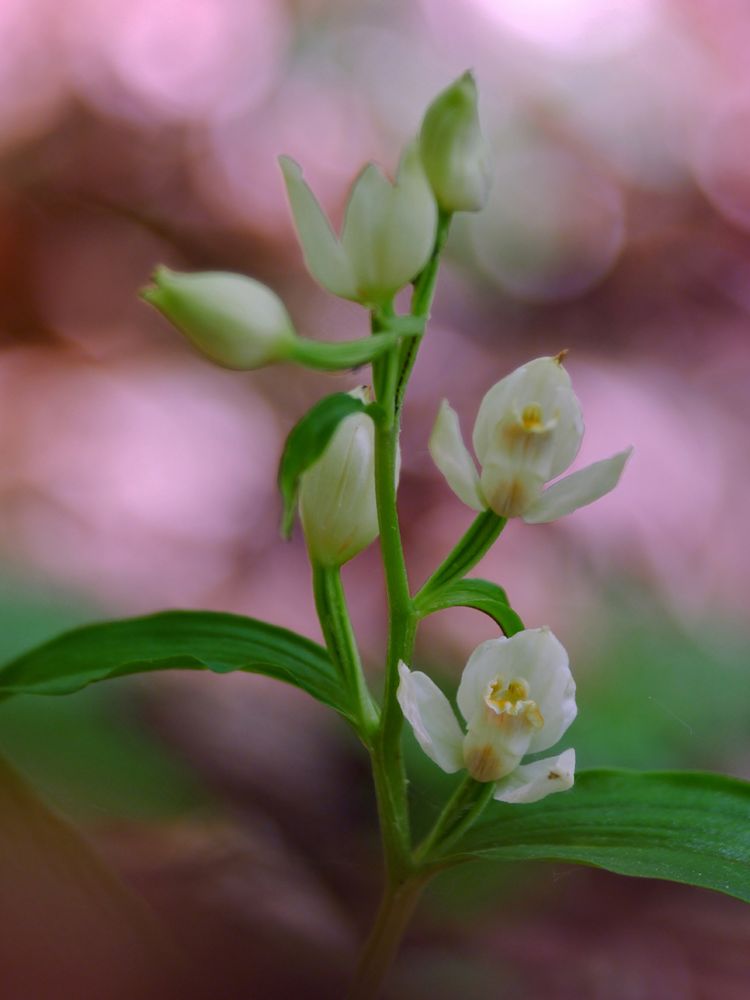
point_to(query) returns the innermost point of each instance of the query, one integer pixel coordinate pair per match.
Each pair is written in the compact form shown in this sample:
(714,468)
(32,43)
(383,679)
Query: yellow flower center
(513,700)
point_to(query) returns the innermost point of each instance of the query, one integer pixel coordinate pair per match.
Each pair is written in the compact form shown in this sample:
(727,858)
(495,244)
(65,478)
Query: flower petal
(578,489)
(431,717)
(532,782)
(546,383)
(451,456)
(536,656)
(389,229)
(325,257)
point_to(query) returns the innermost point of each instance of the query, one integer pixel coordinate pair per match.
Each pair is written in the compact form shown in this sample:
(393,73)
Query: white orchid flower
(517,697)
(527,432)
(387,236)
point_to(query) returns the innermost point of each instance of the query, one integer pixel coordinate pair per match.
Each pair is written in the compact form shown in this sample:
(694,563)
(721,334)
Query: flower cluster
(516,695)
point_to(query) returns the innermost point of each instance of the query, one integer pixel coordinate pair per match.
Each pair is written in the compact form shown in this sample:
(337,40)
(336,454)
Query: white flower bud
(527,432)
(337,493)
(517,697)
(454,152)
(387,237)
(236,321)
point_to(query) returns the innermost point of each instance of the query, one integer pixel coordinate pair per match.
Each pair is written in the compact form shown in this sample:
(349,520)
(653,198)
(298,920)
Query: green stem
(396,908)
(388,765)
(479,537)
(330,602)
(421,303)
(461,810)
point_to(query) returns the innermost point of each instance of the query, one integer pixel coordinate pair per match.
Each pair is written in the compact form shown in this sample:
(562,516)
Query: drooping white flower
(337,493)
(235,320)
(455,154)
(527,432)
(517,697)
(387,236)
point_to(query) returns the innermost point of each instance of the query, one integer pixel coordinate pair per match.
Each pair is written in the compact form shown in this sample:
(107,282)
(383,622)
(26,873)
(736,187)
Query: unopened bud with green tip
(236,321)
(454,152)
(337,493)
(240,323)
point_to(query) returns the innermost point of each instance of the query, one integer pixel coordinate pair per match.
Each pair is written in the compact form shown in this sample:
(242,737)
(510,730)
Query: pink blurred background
(136,476)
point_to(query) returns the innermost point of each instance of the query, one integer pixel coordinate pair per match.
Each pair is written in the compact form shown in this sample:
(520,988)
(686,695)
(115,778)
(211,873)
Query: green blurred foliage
(87,753)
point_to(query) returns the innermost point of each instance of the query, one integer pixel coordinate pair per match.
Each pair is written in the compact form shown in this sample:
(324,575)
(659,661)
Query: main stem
(395,911)
(403,882)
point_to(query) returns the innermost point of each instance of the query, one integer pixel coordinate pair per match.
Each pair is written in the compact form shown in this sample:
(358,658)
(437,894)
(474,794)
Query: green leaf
(481,534)
(306,443)
(175,640)
(684,826)
(479,594)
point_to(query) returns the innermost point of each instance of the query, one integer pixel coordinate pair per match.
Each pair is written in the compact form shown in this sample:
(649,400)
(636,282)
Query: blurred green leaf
(479,594)
(65,909)
(307,441)
(655,695)
(686,827)
(175,640)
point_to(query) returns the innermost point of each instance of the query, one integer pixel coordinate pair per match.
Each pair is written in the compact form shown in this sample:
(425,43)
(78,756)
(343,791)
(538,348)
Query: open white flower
(517,697)
(387,236)
(527,432)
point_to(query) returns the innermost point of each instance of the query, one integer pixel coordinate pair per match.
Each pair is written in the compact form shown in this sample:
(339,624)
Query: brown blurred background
(135,476)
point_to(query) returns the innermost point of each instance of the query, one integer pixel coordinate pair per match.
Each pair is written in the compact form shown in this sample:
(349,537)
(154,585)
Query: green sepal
(306,443)
(479,594)
(176,640)
(683,826)
(332,357)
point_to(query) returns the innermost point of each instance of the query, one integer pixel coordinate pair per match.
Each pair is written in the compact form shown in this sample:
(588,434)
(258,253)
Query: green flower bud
(387,236)
(236,321)
(337,493)
(454,152)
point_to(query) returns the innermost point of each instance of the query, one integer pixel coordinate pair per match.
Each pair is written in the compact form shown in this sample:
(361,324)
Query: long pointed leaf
(690,827)
(175,640)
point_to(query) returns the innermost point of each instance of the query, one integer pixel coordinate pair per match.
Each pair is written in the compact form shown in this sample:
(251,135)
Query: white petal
(368,202)
(578,489)
(536,656)
(431,717)
(325,257)
(510,486)
(389,229)
(540,658)
(532,782)
(543,381)
(487,661)
(451,456)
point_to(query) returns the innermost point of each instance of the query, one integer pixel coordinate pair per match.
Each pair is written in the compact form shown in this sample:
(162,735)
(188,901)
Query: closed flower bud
(527,432)
(337,493)
(236,321)
(454,152)
(387,236)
